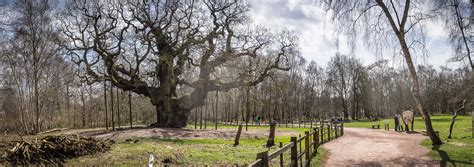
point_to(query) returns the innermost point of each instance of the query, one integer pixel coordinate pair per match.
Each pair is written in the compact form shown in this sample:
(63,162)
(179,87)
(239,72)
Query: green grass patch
(457,151)
(190,151)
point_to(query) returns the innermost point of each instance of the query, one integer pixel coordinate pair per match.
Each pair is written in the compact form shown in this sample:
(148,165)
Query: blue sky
(318,40)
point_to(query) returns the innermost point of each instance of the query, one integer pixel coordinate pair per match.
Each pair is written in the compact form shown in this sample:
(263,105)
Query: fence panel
(312,140)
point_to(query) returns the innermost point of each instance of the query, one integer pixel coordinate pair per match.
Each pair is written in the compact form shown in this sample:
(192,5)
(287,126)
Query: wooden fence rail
(302,149)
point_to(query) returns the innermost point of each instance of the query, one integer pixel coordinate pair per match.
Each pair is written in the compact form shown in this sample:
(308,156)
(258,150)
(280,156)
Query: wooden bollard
(237,137)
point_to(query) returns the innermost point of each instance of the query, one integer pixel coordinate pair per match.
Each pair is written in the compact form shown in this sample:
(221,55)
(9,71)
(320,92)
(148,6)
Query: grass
(458,151)
(190,151)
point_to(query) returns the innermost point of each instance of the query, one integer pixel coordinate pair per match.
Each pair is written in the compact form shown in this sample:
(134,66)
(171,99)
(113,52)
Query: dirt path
(172,133)
(370,147)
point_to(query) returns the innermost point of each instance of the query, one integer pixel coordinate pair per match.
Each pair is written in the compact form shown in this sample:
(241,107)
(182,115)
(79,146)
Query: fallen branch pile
(52,149)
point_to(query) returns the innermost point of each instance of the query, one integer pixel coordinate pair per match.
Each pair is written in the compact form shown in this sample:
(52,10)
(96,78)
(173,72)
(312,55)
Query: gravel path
(374,147)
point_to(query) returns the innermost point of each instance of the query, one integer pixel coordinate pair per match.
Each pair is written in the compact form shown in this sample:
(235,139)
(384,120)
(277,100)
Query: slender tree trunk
(83,113)
(105,106)
(195,117)
(200,117)
(416,91)
(206,113)
(36,93)
(454,119)
(247,108)
(112,106)
(400,33)
(91,122)
(130,109)
(217,108)
(461,28)
(68,102)
(119,103)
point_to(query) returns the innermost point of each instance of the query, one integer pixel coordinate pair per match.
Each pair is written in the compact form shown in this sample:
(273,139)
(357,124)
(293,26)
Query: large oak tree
(169,51)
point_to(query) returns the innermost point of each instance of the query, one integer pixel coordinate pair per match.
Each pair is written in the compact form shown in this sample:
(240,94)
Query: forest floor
(375,147)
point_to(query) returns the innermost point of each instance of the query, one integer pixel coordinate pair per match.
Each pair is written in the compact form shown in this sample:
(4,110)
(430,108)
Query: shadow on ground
(446,160)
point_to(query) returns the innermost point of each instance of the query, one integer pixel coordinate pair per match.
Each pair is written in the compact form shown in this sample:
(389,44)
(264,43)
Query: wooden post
(294,152)
(329,132)
(237,137)
(281,156)
(335,130)
(316,141)
(342,129)
(271,137)
(306,146)
(264,157)
(322,133)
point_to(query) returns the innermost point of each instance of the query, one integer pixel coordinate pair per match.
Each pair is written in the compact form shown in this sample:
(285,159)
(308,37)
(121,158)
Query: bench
(375,126)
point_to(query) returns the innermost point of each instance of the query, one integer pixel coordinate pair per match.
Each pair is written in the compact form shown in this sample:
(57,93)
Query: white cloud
(317,35)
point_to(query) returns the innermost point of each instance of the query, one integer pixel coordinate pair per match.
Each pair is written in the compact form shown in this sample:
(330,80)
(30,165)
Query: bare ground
(173,133)
(370,147)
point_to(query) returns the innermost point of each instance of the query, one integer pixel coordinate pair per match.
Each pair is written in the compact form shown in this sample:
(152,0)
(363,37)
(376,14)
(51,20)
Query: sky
(318,40)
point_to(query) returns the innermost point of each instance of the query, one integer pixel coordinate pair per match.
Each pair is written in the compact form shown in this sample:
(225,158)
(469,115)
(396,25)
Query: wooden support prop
(237,137)
(271,136)
(294,152)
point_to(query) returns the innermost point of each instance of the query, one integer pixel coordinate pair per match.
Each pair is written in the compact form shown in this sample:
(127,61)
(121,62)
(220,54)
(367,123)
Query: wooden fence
(302,149)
